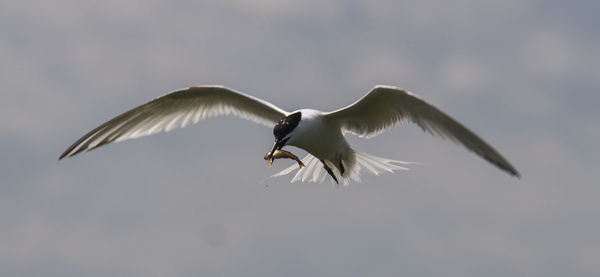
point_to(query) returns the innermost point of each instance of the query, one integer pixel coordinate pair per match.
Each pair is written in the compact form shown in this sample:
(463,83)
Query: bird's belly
(323,143)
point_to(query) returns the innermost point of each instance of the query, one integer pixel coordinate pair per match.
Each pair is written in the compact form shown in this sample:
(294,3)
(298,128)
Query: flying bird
(321,134)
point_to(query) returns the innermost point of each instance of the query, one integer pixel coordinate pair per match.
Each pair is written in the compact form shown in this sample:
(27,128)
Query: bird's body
(321,134)
(318,136)
(325,141)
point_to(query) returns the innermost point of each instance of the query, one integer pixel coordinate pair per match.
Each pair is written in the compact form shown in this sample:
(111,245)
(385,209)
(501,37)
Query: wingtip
(510,170)
(63,155)
(516,174)
(67,154)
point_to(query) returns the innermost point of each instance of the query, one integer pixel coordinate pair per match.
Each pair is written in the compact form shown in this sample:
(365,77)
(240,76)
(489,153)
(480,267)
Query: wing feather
(385,106)
(177,109)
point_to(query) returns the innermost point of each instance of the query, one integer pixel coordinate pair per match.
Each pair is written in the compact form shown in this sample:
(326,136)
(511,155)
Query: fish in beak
(279,143)
(282,154)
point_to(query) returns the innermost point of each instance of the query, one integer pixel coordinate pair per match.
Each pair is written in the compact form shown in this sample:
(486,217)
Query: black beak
(279,143)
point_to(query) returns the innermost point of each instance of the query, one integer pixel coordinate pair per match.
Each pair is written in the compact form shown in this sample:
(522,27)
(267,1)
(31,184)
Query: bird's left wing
(177,109)
(384,106)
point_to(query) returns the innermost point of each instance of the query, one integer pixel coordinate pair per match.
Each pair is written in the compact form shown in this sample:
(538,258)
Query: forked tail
(315,171)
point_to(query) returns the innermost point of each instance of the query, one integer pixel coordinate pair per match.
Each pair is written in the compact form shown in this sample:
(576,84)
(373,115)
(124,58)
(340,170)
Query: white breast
(318,137)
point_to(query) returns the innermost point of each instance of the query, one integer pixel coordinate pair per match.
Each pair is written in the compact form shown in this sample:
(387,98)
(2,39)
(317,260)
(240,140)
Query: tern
(321,134)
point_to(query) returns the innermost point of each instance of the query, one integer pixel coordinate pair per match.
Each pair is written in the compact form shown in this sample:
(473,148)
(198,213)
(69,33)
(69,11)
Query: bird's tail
(314,170)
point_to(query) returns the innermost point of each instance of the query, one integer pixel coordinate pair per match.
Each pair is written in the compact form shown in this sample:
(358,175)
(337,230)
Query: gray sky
(522,74)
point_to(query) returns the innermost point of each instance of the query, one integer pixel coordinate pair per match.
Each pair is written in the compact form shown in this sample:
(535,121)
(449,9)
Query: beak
(278,145)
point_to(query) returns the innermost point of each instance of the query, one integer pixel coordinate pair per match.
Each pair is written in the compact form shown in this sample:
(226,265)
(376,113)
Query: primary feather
(384,106)
(177,109)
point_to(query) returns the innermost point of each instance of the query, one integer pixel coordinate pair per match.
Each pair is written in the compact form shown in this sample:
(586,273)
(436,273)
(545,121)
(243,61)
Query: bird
(321,134)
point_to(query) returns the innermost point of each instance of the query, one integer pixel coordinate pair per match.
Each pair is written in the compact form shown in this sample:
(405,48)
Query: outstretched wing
(385,106)
(177,109)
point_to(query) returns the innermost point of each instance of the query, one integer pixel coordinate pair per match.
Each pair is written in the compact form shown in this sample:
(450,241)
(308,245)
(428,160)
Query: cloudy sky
(522,74)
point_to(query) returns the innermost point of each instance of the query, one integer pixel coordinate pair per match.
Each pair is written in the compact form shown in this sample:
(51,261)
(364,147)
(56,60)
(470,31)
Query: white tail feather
(313,171)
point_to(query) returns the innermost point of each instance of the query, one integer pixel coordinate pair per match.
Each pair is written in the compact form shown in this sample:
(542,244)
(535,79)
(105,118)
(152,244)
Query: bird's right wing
(177,109)
(384,106)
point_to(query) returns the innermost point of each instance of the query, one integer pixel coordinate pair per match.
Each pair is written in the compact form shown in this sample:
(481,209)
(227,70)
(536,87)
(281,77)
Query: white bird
(321,134)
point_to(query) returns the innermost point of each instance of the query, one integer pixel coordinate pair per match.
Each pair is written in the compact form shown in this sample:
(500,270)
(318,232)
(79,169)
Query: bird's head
(282,131)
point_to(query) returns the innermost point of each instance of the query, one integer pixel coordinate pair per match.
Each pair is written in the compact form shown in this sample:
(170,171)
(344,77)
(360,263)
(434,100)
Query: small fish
(282,154)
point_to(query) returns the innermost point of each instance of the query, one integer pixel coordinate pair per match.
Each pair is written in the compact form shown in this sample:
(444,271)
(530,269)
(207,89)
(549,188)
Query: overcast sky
(522,74)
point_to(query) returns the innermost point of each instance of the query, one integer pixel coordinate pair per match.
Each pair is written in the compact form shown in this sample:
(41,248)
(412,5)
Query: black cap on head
(286,125)
(282,129)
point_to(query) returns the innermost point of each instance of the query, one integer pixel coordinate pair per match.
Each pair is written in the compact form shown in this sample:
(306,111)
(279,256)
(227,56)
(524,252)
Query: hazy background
(522,74)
